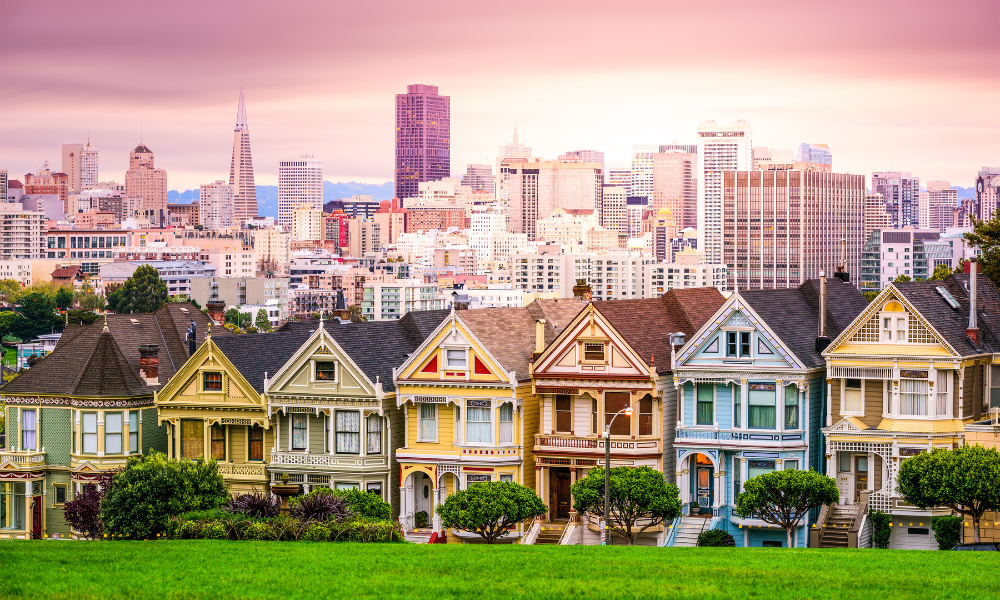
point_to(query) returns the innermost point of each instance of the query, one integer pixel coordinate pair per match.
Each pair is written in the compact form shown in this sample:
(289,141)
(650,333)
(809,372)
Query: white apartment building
(21,234)
(79,162)
(307,222)
(300,181)
(614,208)
(230,261)
(388,301)
(215,205)
(719,149)
(271,244)
(567,226)
(448,190)
(663,277)
(274,310)
(642,170)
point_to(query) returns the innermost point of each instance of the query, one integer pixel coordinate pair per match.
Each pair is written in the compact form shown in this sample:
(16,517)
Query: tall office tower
(46,182)
(874,215)
(987,199)
(614,208)
(720,149)
(902,195)
(423,138)
(586,156)
(3,185)
(146,186)
(241,169)
(537,188)
(814,153)
(689,148)
(675,187)
(79,163)
(642,170)
(300,181)
(620,178)
(215,205)
(479,178)
(941,200)
(783,227)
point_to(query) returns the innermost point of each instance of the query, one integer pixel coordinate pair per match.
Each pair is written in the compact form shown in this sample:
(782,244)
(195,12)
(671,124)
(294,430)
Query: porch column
(871,473)
(177,438)
(437,496)
(720,489)
(779,406)
(29,517)
(170,439)
(206,448)
(331,434)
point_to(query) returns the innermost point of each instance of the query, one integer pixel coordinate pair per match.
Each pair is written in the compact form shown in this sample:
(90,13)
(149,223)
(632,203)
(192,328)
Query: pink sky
(909,85)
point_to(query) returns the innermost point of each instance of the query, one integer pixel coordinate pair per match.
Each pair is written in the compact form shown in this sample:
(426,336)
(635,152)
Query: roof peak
(241,114)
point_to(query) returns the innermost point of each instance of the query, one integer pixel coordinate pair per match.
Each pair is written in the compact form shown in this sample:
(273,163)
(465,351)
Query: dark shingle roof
(646,323)
(793,314)
(951,323)
(255,354)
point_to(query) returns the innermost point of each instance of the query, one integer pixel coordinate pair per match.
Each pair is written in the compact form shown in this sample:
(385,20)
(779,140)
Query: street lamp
(607,472)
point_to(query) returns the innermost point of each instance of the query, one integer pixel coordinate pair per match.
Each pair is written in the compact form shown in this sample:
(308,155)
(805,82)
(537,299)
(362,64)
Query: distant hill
(267,195)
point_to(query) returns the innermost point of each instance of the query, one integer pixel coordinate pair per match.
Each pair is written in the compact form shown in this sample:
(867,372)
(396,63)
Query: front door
(36,517)
(860,476)
(703,490)
(560,500)
(422,500)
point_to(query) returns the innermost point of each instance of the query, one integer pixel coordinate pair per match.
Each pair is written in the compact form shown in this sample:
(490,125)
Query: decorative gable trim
(848,425)
(588,321)
(174,388)
(319,343)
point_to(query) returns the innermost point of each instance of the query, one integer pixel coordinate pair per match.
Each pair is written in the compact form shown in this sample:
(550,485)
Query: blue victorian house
(752,400)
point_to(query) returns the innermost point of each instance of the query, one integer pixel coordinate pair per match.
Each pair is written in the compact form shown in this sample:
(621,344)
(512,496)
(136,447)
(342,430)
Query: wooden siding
(582,416)
(835,395)
(873,402)
(669,430)
(238,443)
(531,410)
(968,391)
(317,433)
(396,440)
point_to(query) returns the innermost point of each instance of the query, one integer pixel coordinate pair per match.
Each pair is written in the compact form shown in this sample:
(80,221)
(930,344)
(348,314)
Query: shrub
(316,533)
(83,513)
(784,497)
(260,531)
(365,531)
(189,530)
(881,530)
(947,531)
(214,531)
(490,509)
(152,488)
(421,518)
(321,507)
(364,505)
(255,505)
(716,538)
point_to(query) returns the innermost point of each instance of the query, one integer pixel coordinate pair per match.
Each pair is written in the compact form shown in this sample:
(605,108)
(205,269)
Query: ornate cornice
(145,401)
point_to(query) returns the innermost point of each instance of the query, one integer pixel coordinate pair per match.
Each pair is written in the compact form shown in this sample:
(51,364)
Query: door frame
(698,468)
(855,495)
(36,516)
(556,474)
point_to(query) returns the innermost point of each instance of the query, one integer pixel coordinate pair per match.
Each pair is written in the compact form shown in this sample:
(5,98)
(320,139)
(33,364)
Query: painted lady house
(752,383)
(84,409)
(908,375)
(614,355)
(469,409)
(333,403)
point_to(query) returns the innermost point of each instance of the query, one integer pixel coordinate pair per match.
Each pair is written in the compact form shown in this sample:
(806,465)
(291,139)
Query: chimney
(149,363)
(841,272)
(822,341)
(583,291)
(217,311)
(192,338)
(539,338)
(340,312)
(973,330)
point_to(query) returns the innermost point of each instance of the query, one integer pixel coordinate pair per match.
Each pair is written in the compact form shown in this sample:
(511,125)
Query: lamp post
(607,472)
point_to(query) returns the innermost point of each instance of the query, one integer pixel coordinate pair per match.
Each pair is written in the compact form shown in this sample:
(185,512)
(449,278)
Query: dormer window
(213,382)
(456,359)
(894,323)
(593,351)
(326,371)
(738,344)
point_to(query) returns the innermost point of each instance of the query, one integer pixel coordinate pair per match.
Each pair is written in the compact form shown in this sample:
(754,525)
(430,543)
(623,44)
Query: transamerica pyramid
(241,170)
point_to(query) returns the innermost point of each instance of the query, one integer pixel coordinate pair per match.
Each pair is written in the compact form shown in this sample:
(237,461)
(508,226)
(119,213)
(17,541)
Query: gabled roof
(257,354)
(646,323)
(951,323)
(793,314)
(66,272)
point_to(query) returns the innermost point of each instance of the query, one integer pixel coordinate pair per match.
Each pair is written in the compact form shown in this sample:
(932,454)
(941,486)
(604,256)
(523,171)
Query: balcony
(570,444)
(791,439)
(304,459)
(255,471)
(25,459)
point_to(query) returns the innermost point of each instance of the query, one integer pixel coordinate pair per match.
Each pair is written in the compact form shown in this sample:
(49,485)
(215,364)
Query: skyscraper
(539,187)
(720,149)
(674,185)
(814,153)
(479,178)
(423,138)
(902,195)
(146,186)
(241,170)
(300,181)
(941,201)
(987,199)
(642,170)
(587,156)
(79,163)
(44,181)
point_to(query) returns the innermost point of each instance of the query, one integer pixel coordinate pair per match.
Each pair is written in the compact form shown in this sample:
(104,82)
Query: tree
(985,235)
(490,508)
(83,512)
(966,479)
(152,488)
(902,279)
(8,322)
(640,498)
(81,316)
(870,295)
(87,299)
(143,292)
(63,297)
(115,299)
(356,315)
(246,320)
(784,497)
(194,303)
(268,266)
(10,290)
(38,315)
(261,322)
(232,316)
(940,272)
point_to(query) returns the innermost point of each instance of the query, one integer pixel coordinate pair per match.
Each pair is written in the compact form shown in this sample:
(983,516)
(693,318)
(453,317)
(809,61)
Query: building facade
(720,149)
(146,186)
(300,182)
(423,138)
(215,206)
(901,192)
(79,163)
(241,169)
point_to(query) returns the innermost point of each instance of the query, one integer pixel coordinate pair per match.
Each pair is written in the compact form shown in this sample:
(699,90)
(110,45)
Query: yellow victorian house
(907,376)
(470,415)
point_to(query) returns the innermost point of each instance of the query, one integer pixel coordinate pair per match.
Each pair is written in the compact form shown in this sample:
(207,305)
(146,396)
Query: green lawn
(167,570)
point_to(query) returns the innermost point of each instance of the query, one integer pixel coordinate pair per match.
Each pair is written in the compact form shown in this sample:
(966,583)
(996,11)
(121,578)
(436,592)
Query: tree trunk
(788,532)
(975,528)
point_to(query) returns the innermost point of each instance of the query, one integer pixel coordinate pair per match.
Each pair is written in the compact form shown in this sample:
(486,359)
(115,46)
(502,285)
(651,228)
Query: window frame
(337,432)
(317,371)
(108,434)
(488,422)
(421,419)
(377,419)
(464,359)
(794,389)
(843,397)
(291,431)
(205,382)
(646,419)
(34,430)
(55,494)
(201,451)
(84,433)
(697,423)
(584,351)
(212,429)
(251,441)
(558,414)
(505,407)
(623,419)
(133,432)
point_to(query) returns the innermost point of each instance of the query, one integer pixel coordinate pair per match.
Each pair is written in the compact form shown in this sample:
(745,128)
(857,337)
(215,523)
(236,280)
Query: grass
(168,570)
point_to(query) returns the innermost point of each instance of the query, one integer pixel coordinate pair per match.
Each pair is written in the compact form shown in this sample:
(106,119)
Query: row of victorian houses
(721,390)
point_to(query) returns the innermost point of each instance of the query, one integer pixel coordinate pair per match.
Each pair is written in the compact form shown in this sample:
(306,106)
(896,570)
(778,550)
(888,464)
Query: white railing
(862,372)
(865,532)
(532,534)
(231,469)
(566,442)
(298,458)
(24,458)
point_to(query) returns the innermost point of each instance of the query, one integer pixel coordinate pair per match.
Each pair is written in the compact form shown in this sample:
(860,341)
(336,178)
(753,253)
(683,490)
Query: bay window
(374,428)
(29,429)
(943,383)
(300,428)
(218,442)
(646,416)
(761,405)
(256,437)
(192,439)
(506,412)
(791,407)
(913,397)
(853,399)
(133,431)
(113,433)
(348,423)
(564,413)
(12,505)
(615,402)
(428,422)
(706,404)
(89,432)
(477,422)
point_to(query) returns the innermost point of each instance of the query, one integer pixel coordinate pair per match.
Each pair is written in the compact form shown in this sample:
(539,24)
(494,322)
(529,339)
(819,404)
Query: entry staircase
(838,525)
(551,532)
(689,530)
(418,536)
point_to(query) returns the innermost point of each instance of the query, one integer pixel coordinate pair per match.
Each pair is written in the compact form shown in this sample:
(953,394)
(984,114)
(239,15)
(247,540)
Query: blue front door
(704,489)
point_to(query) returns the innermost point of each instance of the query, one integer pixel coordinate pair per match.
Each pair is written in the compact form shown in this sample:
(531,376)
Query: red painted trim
(484,469)
(432,365)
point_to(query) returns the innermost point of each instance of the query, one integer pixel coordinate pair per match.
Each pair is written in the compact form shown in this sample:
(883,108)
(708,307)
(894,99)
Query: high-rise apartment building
(241,169)
(44,181)
(814,153)
(146,185)
(874,215)
(3,185)
(307,222)
(595,156)
(642,170)
(423,138)
(21,234)
(215,205)
(479,178)
(614,208)
(901,192)
(675,186)
(937,205)
(620,178)
(300,181)
(391,220)
(780,228)
(720,149)
(539,187)
(987,199)
(79,163)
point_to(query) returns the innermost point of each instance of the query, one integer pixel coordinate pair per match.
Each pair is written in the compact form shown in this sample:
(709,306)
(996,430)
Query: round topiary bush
(947,531)
(715,538)
(316,533)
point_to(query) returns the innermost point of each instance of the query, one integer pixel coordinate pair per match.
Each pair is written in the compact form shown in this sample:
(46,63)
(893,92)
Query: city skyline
(882,100)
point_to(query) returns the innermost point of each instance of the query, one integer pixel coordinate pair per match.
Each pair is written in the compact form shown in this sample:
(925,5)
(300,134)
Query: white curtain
(348,431)
(29,429)
(913,397)
(506,423)
(428,421)
(113,433)
(477,421)
(90,433)
(374,434)
(942,392)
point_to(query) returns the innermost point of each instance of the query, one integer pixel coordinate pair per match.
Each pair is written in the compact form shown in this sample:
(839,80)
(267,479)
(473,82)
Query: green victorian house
(84,409)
